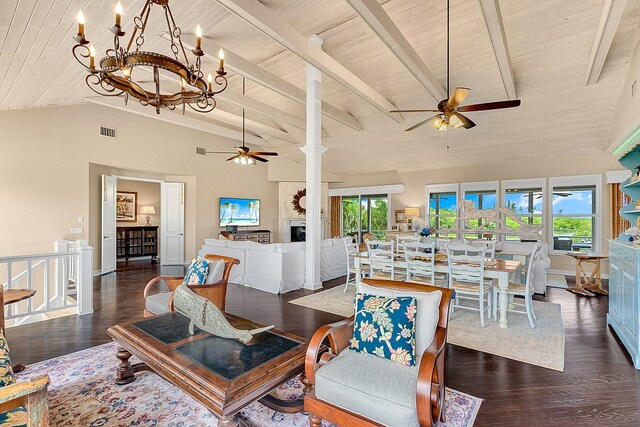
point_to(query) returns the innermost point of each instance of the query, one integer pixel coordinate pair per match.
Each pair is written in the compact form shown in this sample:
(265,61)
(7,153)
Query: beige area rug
(541,346)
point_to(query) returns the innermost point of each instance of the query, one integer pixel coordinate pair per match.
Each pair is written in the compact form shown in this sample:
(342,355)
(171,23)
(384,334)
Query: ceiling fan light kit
(449,112)
(243,156)
(113,75)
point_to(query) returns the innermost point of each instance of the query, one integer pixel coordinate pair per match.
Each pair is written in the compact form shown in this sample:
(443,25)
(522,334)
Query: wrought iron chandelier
(114,73)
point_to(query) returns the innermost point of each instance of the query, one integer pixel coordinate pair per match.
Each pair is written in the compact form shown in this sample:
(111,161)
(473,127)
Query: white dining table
(499,269)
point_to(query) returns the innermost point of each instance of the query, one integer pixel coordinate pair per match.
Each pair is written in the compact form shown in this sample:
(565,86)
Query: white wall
(45,179)
(627,115)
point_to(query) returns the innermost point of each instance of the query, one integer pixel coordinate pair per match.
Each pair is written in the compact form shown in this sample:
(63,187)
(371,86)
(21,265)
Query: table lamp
(148,210)
(411,213)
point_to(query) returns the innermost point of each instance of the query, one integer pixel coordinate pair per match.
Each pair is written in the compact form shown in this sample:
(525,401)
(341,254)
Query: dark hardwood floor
(599,385)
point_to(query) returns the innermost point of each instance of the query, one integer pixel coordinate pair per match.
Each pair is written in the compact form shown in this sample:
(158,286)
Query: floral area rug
(83,393)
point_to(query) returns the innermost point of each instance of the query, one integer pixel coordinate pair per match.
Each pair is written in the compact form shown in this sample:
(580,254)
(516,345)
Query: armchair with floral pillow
(348,387)
(162,301)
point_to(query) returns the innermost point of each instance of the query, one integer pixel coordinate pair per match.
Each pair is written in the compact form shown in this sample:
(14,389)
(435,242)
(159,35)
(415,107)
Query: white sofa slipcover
(277,267)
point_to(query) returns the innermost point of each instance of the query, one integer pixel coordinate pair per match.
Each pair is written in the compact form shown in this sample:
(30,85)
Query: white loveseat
(278,267)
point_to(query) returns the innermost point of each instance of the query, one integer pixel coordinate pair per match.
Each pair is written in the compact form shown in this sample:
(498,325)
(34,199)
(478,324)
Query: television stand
(258,236)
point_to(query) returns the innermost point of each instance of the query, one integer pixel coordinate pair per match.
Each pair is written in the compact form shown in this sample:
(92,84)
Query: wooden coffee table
(222,374)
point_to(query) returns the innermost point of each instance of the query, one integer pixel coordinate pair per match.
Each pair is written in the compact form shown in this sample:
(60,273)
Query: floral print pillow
(197,272)
(385,327)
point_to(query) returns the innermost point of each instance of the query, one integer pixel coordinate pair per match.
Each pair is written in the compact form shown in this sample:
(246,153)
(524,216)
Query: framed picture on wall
(400,216)
(127,206)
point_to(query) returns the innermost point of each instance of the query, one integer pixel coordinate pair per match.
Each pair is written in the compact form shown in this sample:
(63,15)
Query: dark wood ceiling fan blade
(414,111)
(260,159)
(232,157)
(242,149)
(457,97)
(422,123)
(263,153)
(467,123)
(490,106)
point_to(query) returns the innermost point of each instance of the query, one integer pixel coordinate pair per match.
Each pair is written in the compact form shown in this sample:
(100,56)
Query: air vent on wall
(108,132)
(201,151)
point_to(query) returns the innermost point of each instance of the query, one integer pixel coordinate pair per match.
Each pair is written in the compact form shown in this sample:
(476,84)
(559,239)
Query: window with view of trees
(443,211)
(481,200)
(365,214)
(527,203)
(574,217)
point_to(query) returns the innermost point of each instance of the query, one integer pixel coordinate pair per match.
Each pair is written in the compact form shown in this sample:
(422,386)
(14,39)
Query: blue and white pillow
(385,327)
(197,272)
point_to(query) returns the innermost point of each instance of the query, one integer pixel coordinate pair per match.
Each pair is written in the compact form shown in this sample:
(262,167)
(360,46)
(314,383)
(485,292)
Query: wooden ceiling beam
(269,23)
(495,27)
(381,24)
(237,64)
(176,118)
(607,28)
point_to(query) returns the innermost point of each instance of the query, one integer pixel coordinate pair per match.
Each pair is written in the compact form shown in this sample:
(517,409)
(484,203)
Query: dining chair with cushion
(466,276)
(350,388)
(420,260)
(351,250)
(382,259)
(525,291)
(214,288)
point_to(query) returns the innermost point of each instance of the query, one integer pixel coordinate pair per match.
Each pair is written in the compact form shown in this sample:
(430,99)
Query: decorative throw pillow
(385,327)
(216,271)
(197,272)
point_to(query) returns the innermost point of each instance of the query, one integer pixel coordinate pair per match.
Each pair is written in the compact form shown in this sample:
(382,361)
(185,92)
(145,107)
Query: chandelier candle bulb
(182,83)
(80,24)
(118,14)
(210,83)
(92,57)
(198,38)
(221,56)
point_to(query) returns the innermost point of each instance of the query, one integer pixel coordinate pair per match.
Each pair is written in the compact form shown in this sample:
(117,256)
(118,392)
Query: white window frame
(441,188)
(360,196)
(470,187)
(526,183)
(578,180)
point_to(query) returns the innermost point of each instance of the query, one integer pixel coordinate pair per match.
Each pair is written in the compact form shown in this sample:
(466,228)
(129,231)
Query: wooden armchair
(162,302)
(21,403)
(359,388)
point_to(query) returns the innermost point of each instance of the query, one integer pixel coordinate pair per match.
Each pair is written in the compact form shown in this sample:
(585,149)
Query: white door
(109,184)
(172,223)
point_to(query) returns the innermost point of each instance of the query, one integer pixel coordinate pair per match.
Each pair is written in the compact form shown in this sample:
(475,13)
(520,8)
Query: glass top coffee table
(223,374)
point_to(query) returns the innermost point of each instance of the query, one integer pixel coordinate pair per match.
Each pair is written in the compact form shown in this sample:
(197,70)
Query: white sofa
(277,267)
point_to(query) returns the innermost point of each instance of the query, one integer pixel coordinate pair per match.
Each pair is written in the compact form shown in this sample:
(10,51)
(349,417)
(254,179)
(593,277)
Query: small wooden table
(587,284)
(223,374)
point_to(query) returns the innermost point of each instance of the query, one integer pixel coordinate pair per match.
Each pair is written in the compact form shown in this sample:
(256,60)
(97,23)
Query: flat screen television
(239,212)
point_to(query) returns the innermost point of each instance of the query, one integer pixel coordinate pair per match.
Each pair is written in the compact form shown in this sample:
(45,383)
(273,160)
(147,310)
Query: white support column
(84,283)
(313,151)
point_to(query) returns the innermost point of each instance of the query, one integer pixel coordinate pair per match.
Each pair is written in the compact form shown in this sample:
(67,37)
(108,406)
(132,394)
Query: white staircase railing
(62,281)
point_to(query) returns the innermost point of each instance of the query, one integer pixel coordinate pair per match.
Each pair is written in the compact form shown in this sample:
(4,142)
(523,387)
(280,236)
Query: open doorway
(138,218)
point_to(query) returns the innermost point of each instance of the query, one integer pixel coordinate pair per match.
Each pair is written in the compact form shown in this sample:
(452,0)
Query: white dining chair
(522,290)
(351,249)
(466,276)
(381,259)
(420,260)
(490,246)
(400,239)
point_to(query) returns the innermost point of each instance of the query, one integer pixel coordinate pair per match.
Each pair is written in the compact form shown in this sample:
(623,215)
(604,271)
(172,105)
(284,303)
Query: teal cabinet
(624,278)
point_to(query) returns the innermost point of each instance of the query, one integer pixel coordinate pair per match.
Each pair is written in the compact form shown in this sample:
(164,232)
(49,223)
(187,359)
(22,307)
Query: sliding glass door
(365,214)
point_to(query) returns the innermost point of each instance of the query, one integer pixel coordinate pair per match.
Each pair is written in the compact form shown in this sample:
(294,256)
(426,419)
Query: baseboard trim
(570,273)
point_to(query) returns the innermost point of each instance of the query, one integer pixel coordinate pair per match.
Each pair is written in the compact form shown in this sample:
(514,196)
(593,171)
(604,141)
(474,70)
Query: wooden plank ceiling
(549,45)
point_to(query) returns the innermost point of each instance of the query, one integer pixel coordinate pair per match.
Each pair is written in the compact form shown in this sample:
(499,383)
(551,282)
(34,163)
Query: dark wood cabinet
(134,242)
